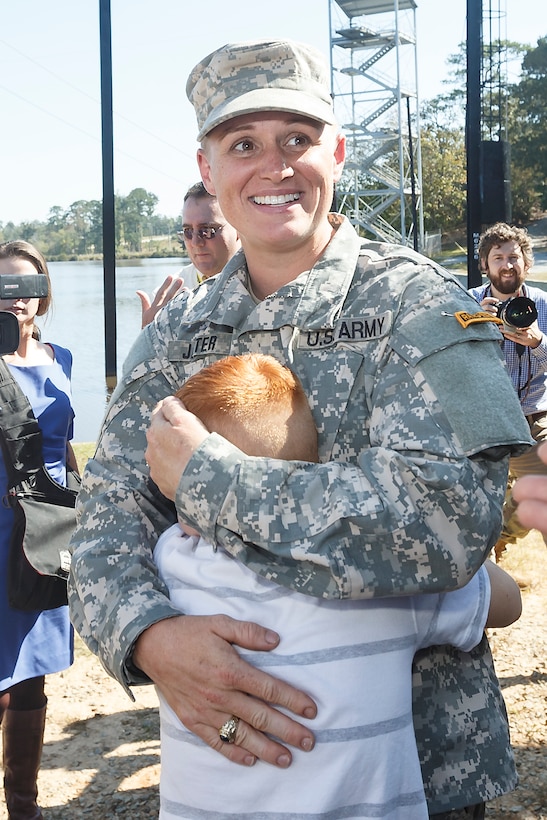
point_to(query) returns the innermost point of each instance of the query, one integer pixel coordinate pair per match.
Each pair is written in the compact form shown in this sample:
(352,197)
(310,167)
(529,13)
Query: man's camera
(28,286)
(516,313)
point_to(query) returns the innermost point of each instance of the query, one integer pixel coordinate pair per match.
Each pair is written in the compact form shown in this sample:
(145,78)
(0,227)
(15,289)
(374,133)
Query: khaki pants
(529,463)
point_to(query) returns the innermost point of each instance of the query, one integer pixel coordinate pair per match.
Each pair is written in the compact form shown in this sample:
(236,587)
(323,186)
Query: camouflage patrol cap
(244,78)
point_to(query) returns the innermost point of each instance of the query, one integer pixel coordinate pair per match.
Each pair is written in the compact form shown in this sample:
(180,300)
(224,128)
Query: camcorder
(516,313)
(27,286)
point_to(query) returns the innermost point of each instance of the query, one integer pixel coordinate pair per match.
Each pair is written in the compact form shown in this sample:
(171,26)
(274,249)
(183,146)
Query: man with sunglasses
(210,242)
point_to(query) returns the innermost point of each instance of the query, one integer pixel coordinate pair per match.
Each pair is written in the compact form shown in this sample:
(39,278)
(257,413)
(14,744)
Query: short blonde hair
(256,403)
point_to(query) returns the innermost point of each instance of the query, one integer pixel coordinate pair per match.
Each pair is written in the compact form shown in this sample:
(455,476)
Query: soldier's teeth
(280,199)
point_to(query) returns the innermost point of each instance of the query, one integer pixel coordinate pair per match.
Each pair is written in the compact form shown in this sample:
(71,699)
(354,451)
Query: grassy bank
(83,451)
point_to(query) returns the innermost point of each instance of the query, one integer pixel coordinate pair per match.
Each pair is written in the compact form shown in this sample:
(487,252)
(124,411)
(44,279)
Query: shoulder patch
(465,319)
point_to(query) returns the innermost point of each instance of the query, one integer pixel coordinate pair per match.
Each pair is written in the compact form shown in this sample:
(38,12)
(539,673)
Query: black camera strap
(43,510)
(20,434)
(522,389)
(521,348)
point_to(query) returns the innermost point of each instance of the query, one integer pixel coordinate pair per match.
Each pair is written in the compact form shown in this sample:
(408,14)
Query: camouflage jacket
(416,417)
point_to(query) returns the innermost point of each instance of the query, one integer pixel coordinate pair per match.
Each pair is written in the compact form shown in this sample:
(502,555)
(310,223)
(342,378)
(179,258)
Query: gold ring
(227,731)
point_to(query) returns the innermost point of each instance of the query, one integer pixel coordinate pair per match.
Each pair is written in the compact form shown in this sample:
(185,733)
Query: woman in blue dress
(32,644)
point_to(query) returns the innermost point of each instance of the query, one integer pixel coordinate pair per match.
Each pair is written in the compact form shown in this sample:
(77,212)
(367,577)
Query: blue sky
(50,143)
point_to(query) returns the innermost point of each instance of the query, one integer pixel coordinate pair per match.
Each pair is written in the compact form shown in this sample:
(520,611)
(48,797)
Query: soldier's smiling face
(274,175)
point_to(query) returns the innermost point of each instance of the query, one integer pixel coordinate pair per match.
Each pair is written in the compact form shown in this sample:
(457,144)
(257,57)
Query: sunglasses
(201,233)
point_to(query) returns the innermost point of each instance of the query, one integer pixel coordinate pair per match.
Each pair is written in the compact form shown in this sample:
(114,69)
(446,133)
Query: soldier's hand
(172,437)
(194,664)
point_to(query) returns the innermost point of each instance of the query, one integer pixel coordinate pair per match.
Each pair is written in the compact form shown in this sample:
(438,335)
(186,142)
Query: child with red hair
(354,657)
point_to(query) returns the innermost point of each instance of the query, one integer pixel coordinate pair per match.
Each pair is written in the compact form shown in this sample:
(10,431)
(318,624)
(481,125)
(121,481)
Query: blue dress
(37,643)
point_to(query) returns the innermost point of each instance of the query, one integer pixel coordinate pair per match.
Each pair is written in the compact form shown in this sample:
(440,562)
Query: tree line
(521,105)
(77,230)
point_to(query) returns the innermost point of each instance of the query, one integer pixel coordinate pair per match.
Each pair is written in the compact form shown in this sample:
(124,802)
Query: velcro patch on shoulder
(465,319)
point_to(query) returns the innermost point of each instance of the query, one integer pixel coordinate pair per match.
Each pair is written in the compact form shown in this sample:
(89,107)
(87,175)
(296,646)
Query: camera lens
(518,312)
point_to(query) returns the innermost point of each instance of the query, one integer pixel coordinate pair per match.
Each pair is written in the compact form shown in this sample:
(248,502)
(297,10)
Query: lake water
(77,322)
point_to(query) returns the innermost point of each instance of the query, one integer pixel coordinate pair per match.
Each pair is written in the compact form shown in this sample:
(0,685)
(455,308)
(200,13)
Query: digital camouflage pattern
(244,78)
(416,419)
(465,753)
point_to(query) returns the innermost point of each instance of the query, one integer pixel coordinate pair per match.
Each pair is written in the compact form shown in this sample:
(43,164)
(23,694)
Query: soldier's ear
(205,171)
(339,156)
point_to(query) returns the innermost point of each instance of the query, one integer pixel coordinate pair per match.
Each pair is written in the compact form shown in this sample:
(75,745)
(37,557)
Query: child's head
(256,403)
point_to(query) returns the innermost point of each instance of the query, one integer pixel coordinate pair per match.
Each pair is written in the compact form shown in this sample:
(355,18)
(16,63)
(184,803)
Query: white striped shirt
(354,658)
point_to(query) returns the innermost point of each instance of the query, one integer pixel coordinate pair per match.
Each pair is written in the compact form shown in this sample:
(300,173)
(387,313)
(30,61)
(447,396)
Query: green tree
(28,230)
(495,92)
(444,176)
(8,232)
(56,218)
(515,113)
(79,218)
(133,212)
(95,230)
(77,230)
(527,117)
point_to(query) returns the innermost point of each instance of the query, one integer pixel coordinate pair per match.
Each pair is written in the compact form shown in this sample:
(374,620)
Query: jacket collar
(312,300)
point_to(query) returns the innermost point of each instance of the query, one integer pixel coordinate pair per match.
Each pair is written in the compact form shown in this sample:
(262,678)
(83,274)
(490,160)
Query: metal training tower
(375,91)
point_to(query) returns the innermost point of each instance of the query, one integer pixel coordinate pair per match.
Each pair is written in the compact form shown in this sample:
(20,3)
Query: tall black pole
(109,231)
(412,178)
(473,139)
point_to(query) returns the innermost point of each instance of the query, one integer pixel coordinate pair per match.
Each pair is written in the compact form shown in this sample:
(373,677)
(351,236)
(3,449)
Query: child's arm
(505,601)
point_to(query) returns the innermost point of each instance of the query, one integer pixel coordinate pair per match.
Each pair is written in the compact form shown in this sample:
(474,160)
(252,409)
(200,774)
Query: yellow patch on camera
(465,319)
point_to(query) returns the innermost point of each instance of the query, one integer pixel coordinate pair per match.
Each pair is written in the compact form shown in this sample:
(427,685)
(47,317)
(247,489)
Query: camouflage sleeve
(407,510)
(114,590)
(409,496)
(402,521)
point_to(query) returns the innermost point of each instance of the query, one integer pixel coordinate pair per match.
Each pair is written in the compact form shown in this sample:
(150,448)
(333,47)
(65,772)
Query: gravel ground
(101,753)
(520,653)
